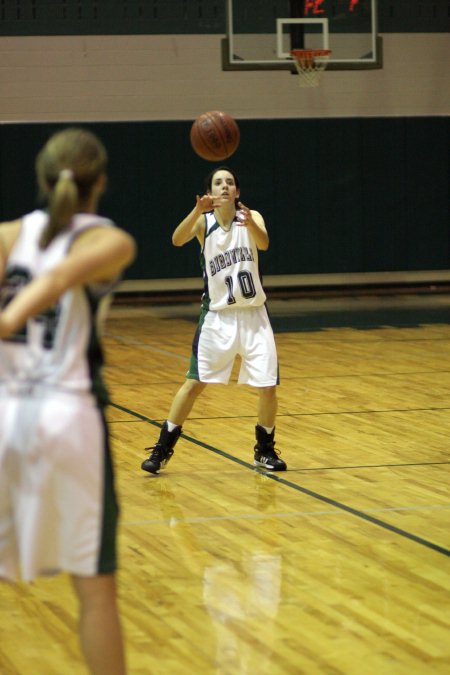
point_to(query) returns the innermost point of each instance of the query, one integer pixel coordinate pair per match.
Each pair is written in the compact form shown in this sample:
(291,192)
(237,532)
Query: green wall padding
(338,195)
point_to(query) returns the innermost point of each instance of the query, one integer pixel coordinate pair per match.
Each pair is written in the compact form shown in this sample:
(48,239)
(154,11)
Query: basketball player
(58,509)
(233,318)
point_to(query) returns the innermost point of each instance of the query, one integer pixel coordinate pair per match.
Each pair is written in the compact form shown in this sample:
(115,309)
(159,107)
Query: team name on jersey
(228,258)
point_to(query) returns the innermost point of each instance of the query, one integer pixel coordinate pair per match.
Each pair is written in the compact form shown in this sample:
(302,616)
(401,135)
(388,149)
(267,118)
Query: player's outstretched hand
(209,203)
(244,215)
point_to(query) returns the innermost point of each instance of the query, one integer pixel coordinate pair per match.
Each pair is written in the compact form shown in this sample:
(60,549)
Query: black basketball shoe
(162,451)
(265,453)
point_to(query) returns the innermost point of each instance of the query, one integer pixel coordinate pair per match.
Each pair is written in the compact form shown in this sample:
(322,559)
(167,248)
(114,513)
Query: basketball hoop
(309,64)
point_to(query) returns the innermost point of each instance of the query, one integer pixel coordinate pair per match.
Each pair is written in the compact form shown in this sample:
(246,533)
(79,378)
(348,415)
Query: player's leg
(259,368)
(184,400)
(99,624)
(267,406)
(212,358)
(170,432)
(265,453)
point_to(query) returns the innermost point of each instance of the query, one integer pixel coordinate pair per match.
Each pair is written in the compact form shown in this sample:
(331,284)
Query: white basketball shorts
(58,509)
(223,335)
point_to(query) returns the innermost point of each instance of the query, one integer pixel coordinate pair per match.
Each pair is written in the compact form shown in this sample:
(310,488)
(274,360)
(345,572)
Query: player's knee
(193,388)
(95,592)
(268,393)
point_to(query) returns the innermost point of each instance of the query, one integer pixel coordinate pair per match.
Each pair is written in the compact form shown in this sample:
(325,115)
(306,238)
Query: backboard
(260,35)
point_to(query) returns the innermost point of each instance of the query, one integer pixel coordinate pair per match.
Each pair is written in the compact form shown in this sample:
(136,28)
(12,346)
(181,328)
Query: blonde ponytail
(62,205)
(67,168)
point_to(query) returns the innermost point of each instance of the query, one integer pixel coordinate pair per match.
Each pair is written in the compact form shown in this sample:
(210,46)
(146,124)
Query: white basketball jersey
(58,347)
(230,267)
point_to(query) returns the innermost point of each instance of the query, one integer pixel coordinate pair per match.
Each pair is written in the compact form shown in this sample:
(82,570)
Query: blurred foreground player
(58,509)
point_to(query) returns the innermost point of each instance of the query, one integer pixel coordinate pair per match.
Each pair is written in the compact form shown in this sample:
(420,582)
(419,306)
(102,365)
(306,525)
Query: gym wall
(351,177)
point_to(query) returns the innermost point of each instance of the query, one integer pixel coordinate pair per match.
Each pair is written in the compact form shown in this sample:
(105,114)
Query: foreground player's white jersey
(58,347)
(230,267)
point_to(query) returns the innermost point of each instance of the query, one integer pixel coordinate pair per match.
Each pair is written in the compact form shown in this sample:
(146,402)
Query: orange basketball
(215,136)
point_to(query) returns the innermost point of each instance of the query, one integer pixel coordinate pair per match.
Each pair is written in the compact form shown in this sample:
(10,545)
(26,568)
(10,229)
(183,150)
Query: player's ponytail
(62,205)
(67,168)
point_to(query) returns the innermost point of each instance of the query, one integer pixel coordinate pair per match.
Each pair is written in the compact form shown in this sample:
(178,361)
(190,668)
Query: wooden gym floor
(338,566)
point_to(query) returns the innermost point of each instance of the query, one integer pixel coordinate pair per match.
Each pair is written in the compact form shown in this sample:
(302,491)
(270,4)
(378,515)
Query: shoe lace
(269,450)
(274,453)
(157,453)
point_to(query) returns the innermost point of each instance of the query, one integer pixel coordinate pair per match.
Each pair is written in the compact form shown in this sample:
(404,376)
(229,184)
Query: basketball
(215,136)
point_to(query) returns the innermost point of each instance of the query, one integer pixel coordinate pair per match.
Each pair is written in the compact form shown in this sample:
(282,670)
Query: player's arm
(97,255)
(8,236)
(189,227)
(254,221)
(194,223)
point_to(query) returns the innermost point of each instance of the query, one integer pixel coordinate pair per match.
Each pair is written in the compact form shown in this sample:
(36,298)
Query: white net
(309,64)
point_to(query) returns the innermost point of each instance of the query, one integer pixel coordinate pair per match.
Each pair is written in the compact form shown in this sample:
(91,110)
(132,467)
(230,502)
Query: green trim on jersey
(192,373)
(95,354)
(107,560)
(212,229)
